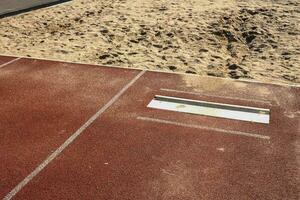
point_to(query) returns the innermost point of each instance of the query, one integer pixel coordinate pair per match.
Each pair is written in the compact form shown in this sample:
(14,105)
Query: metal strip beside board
(228,111)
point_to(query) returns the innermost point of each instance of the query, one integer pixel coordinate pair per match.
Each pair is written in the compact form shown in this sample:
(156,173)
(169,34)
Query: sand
(240,39)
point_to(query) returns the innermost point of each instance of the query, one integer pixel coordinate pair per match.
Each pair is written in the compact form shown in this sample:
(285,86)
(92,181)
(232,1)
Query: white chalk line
(204,128)
(58,151)
(5,64)
(225,97)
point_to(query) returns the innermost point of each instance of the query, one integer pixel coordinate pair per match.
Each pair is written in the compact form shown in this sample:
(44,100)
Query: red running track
(73,131)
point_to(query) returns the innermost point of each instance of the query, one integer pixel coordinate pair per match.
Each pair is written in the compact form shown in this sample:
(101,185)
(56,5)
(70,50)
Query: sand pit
(225,38)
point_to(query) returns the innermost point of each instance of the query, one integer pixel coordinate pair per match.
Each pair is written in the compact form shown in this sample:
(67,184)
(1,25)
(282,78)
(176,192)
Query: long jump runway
(75,131)
(12,7)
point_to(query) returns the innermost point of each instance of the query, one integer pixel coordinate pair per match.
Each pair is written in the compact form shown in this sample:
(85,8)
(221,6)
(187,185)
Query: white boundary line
(204,128)
(167,72)
(58,151)
(9,62)
(225,97)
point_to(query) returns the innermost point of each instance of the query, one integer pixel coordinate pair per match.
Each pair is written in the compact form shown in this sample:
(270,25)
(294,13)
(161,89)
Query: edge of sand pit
(160,71)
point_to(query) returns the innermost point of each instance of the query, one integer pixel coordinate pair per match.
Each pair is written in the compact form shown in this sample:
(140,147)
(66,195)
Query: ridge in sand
(230,38)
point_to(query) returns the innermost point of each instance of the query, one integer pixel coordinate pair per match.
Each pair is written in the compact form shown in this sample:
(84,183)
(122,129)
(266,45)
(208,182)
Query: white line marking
(204,127)
(225,97)
(3,65)
(58,151)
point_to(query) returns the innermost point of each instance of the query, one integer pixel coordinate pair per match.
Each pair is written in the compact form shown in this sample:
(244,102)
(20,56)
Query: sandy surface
(257,39)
